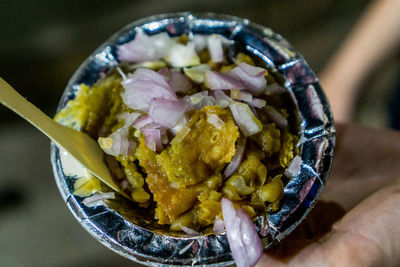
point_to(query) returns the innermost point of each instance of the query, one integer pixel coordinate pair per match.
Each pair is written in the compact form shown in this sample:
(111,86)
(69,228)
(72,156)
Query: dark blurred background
(42,43)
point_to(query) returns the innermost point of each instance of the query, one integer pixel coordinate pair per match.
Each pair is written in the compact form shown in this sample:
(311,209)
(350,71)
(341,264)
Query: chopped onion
(220,81)
(145,48)
(98,199)
(179,82)
(294,167)
(164,137)
(143,74)
(183,55)
(215,121)
(180,124)
(118,143)
(164,72)
(257,102)
(203,102)
(166,112)
(142,122)
(222,99)
(198,100)
(225,40)
(144,85)
(146,122)
(188,230)
(248,98)
(129,117)
(241,95)
(242,236)
(186,248)
(237,158)
(197,73)
(252,71)
(274,88)
(180,135)
(219,226)
(276,116)
(245,118)
(200,42)
(153,65)
(251,77)
(214,45)
(124,148)
(152,138)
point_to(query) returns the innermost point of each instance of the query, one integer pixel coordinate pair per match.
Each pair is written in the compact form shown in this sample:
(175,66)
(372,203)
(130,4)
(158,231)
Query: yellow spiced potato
(182,131)
(286,152)
(203,151)
(269,139)
(171,201)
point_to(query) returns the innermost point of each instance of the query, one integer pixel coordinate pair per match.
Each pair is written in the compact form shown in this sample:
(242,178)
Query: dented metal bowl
(128,231)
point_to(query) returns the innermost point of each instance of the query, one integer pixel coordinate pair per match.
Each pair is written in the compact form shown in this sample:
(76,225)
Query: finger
(372,226)
(365,160)
(366,236)
(286,253)
(317,223)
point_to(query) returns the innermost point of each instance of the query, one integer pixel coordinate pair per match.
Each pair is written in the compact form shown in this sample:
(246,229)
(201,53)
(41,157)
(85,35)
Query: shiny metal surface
(128,231)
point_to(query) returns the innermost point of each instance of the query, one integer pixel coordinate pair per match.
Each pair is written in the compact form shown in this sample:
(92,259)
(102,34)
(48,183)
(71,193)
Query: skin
(356,222)
(372,41)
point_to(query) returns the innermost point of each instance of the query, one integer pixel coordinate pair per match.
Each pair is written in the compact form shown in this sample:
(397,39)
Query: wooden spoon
(82,147)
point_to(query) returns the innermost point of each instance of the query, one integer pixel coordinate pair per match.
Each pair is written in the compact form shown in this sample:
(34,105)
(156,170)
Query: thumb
(366,236)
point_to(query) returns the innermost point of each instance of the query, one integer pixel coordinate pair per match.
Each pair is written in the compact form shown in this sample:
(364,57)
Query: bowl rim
(317,130)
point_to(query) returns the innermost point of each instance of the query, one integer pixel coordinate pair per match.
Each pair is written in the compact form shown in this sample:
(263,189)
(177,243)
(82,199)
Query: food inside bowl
(184,125)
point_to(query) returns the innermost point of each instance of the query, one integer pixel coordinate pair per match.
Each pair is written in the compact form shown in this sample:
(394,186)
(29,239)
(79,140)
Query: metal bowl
(126,231)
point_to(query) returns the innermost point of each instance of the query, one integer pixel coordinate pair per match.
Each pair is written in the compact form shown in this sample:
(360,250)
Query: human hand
(374,39)
(356,222)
